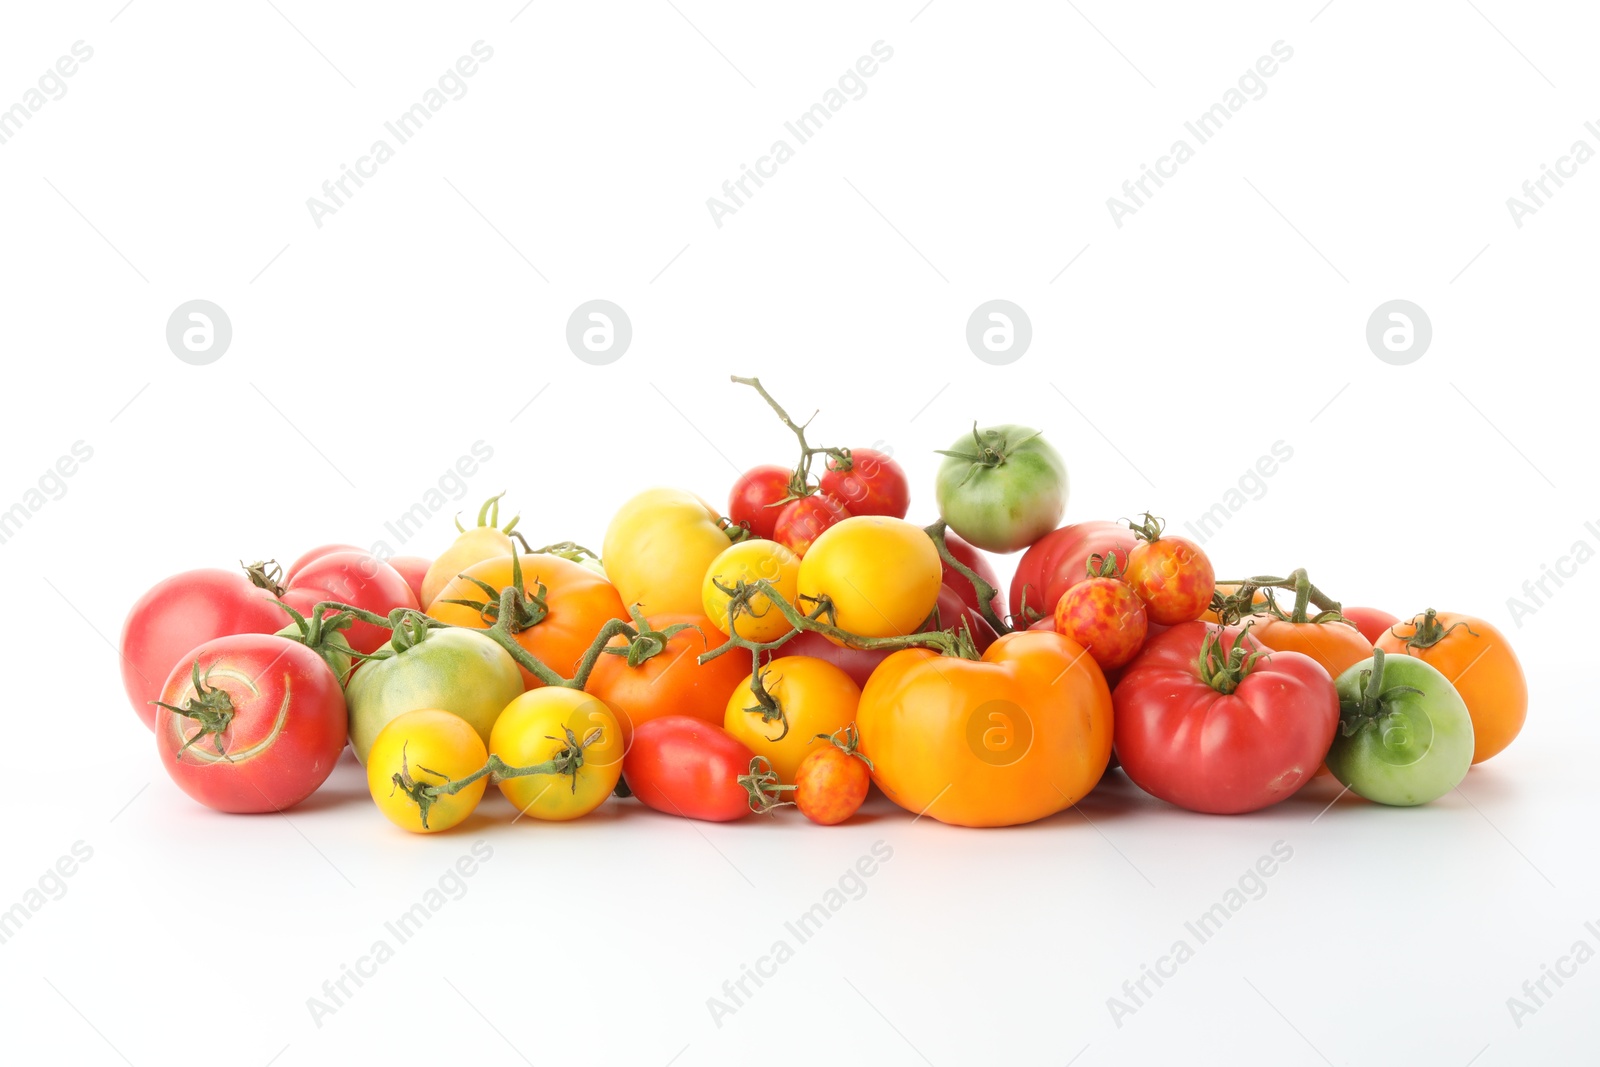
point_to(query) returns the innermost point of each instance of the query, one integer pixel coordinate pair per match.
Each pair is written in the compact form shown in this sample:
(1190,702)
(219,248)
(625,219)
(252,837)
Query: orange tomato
(1335,645)
(815,698)
(578,603)
(1015,736)
(673,681)
(1479,662)
(1228,589)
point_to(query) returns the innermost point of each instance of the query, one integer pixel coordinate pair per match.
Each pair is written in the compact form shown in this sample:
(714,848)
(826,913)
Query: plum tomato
(687,767)
(869,482)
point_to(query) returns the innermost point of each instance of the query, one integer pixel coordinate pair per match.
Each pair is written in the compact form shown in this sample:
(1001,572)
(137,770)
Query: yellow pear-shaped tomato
(658,547)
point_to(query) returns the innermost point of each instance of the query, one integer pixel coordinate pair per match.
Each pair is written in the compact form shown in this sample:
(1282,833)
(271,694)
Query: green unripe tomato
(1405,736)
(1002,488)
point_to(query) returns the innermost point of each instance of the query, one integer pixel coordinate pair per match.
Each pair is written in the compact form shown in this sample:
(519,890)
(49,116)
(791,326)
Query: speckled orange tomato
(1106,616)
(832,782)
(1172,575)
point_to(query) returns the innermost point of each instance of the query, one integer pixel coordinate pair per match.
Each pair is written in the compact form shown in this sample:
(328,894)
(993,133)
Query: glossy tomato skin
(414,569)
(1058,561)
(673,681)
(815,698)
(356,578)
(972,557)
(180,613)
(1477,659)
(1184,742)
(459,671)
(657,549)
(533,730)
(802,521)
(578,602)
(1372,622)
(874,485)
(757,498)
(433,747)
(315,553)
(1334,645)
(1013,737)
(287,730)
(1414,753)
(1105,616)
(1005,506)
(750,562)
(1174,577)
(685,767)
(831,785)
(473,545)
(882,575)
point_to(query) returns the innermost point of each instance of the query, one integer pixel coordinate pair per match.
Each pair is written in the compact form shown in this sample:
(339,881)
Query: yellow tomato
(881,574)
(814,696)
(658,547)
(425,747)
(751,561)
(487,540)
(535,728)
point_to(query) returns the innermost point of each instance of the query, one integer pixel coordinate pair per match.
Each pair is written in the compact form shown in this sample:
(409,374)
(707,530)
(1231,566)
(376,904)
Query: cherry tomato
(1104,615)
(564,727)
(1171,574)
(181,612)
(832,781)
(758,497)
(873,484)
(426,747)
(251,723)
(808,697)
(1057,561)
(1203,725)
(751,561)
(1372,622)
(802,521)
(1478,660)
(683,766)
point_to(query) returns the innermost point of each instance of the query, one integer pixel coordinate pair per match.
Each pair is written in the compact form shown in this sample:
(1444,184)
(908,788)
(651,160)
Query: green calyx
(1430,631)
(1223,671)
(645,642)
(990,449)
(210,709)
(1372,706)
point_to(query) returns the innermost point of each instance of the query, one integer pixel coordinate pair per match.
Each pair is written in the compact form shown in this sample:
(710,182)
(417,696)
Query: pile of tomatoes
(802,648)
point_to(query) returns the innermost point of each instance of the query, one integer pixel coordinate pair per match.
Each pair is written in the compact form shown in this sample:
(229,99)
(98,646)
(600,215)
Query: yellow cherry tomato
(881,574)
(425,747)
(658,547)
(813,697)
(559,725)
(750,561)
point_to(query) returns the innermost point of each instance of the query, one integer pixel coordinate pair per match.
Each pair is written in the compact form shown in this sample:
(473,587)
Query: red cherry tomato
(874,485)
(1372,622)
(755,499)
(413,569)
(802,521)
(356,578)
(1056,562)
(181,613)
(267,723)
(1172,575)
(973,557)
(685,766)
(1196,738)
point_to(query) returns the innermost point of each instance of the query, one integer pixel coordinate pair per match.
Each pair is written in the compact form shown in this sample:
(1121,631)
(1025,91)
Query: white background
(370,353)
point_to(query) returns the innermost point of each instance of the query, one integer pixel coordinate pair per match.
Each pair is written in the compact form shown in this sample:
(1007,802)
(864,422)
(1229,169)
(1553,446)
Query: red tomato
(1172,575)
(356,578)
(858,663)
(180,613)
(266,723)
(684,766)
(802,521)
(1210,740)
(973,557)
(952,609)
(313,554)
(1105,616)
(1372,622)
(874,484)
(1057,561)
(755,499)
